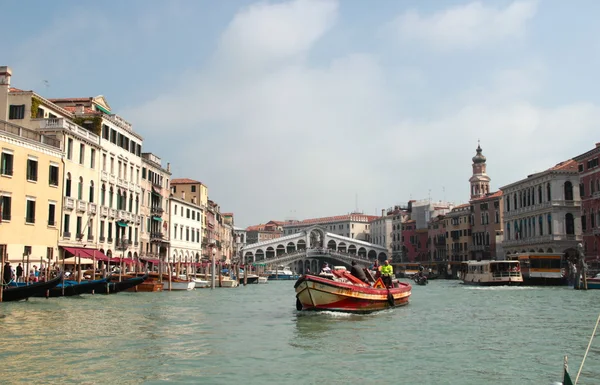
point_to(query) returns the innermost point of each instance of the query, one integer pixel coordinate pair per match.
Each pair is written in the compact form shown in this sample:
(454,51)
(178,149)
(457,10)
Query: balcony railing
(158,211)
(138,189)
(92,207)
(112,213)
(104,211)
(28,134)
(156,236)
(49,124)
(542,239)
(81,206)
(104,176)
(121,215)
(69,203)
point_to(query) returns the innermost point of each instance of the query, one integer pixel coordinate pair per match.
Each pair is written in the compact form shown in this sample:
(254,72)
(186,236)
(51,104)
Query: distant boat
(18,293)
(117,287)
(282,272)
(491,273)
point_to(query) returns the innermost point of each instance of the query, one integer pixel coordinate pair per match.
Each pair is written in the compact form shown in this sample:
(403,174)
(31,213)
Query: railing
(122,183)
(69,203)
(92,208)
(505,274)
(138,219)
(112,179)
(104,211)
(121,215)
(81,206)
(156,236)
(566,203)
(28,134)
(112,213)
(542,239)
(138,189)
(156,211)
(477,247)
(70,126)
(104,176)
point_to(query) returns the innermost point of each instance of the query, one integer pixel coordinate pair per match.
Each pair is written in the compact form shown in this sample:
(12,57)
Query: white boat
(491,273)
(262,279)
(282,272)
(228,282)
(201,283)
(177,284)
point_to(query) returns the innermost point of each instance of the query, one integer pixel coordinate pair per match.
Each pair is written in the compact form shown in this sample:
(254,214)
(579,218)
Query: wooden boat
(72,288)
(201,283)
(491,273)
(129,283)
(346,293)
(18,293)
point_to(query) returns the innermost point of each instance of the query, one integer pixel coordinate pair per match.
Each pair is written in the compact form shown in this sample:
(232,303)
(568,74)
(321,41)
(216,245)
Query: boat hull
(117,287)
(18,293)
(315,293)
(181,285)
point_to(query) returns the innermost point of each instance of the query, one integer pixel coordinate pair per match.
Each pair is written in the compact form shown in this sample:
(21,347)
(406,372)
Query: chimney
(382,212)
(79,109)
(168,167)
(183,195)
(5,74)
(597,144)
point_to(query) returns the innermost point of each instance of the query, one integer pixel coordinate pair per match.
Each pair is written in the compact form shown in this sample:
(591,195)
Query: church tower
(480,181)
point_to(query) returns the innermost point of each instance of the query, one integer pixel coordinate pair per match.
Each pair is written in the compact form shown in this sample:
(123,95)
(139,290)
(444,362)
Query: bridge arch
(372,254)
(291,247)
(270,252)
(362,252)
(331,245)
(280,249)
(260,255)
(301,244)
(342,247)
(352,249)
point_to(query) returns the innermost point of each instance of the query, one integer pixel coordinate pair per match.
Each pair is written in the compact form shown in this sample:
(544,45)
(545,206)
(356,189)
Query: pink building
(436,239)
(589,188)
(414,242)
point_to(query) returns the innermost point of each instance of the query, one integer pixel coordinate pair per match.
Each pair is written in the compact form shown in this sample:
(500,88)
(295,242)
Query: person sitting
(358,272)
(387,272)
(326,269)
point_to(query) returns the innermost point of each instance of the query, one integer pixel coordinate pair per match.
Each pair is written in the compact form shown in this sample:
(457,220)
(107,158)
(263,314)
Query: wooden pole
(220,277)
(170,268)
(79,267)
(2,273)
(23,264)
(245,274)
(94,266)
(63,275)
(28,268)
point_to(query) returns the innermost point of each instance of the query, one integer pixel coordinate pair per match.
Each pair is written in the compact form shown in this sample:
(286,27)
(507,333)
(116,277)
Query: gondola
(72,288)
(17,293)
(116,287)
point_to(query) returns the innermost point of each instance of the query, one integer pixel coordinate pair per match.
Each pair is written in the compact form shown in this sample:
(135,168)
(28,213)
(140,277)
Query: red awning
(125,260)
(149,260)
(87,253)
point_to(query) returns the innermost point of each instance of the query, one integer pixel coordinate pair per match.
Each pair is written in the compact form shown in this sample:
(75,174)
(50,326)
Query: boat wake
(501,288)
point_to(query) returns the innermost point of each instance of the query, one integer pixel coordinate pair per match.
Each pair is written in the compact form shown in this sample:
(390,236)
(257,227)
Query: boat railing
(506,274)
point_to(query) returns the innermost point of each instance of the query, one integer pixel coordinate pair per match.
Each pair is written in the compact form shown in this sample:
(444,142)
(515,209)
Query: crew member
(358,272)
(387,271)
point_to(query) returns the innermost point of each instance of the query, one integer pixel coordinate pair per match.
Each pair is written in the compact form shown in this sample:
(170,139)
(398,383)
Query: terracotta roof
(227,214)
(13,89)
(495,194)
(278,223)
(461,206)
(184,181)
(567,165)
(74,100)
(86,110)
(337,218)
(262,227)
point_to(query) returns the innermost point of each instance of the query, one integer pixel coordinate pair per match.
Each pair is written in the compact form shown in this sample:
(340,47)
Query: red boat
(343,292)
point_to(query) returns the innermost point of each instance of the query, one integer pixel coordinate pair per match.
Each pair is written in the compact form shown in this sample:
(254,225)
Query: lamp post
(212,276)
(123,244)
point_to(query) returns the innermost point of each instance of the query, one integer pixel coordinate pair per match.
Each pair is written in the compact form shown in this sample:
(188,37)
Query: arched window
(570,224)
(515,200)
(110,197)
(539,194)
(68,185)
(130,203)
(103,195)
(91,200)
(549,222)
(487,239)
(80,189)
(548,192)
(568,191)
(119,199)
(528,197)
(507,204)
(137,204)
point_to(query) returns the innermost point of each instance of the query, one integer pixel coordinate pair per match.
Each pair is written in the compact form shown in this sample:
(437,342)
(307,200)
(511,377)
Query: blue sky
(296,108)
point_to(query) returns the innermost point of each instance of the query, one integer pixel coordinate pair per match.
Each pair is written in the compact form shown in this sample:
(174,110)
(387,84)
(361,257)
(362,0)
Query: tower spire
(480,181)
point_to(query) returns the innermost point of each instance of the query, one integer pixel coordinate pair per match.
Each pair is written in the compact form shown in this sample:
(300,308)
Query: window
(32,169)
(583,223)
(105,132)
(81,153)
(78,227)
(5,207)
(187,234)
(93,158)
(39,114)
(101,231)
(30,211)
(112,165)
(68,185)
(549,223)
(187,211)
(581,190)
(497,218)
(16,112)
(91,198)
(193,188)
(53,175)
(51,214)
(568,191)
(70,149)
(7,163)
(103,195)
(80,189)
(143,172)
(193,215)
(548,192)
(175,212)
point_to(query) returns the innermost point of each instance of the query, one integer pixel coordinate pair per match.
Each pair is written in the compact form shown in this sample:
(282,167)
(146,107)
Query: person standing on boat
(7,273)
(358,272)
(19,273)
(387,272)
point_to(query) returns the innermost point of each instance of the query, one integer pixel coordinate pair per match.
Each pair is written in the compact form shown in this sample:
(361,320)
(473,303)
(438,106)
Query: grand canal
(449,334)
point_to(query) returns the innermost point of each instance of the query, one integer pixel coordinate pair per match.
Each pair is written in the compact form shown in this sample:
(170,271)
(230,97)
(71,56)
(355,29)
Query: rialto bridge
(309,248)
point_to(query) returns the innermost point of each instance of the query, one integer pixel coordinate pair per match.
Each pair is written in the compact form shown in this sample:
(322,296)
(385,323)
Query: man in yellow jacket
(387,272)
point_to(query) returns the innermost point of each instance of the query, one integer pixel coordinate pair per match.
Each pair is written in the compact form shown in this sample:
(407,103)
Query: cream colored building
(194,192)
(381,231)
(185,231)
(30,194)
(154,208)
(354,225)
(458,227)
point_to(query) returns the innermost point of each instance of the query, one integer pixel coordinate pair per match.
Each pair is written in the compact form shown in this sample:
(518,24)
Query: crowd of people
(385,271)
(11,273)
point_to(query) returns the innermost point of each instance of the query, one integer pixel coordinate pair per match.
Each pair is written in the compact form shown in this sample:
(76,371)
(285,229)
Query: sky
(310,108)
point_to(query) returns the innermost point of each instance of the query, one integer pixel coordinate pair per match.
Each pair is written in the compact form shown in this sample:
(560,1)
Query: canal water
(448,334)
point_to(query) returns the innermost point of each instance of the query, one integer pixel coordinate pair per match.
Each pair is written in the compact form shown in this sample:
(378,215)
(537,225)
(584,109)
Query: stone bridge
(308,249)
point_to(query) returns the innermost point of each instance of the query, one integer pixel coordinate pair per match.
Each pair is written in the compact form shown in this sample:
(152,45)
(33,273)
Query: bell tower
(480,181)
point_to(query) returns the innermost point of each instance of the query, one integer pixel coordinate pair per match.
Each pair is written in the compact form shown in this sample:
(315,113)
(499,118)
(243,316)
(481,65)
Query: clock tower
(480,181)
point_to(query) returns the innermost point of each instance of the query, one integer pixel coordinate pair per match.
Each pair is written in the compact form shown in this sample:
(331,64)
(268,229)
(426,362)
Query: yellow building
(458,233)
(31,194)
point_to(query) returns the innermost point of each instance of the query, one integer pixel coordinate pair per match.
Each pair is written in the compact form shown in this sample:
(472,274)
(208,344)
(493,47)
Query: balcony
(122,183)
(54,123)
(156,237)
(104,176)
(478,247)
(138,189)
(566,203)
(542,239)
(112,213)
(81,206)
(104,211)
(92,208)
(158,211)
(69,203)
(138,219)
(112,179)
(121,215)
(131,186)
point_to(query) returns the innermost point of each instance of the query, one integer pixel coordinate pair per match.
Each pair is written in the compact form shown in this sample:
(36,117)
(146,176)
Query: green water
(448,334)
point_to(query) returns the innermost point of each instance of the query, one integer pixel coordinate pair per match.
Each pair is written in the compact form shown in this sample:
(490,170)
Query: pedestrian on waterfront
(358,271)
(19,273)
(387,272)
(7,274)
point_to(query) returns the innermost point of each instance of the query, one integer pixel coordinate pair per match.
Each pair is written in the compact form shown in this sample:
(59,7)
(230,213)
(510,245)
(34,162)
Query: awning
(75,260)
(157,219)
(155,191)
(126,260)
(122,224)
(149,260)
(86,253)
(99,107)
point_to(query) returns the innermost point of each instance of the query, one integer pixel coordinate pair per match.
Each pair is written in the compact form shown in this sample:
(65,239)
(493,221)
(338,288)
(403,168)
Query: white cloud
(465,26)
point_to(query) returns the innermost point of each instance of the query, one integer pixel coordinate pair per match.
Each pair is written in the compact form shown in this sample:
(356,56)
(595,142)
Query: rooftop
(338,218)
(493,195)
(184,181)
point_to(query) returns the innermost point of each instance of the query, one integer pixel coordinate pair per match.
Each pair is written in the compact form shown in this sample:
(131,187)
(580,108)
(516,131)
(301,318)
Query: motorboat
(491,273)
(282,272)
(201,283)
(341,291)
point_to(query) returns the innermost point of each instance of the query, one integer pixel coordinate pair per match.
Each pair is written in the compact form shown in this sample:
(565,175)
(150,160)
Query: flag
(567,378)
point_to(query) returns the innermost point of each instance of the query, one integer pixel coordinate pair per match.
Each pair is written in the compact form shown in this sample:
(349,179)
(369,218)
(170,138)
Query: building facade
(354,225)
(31,184)
(381,231)
(185,231)
(589,190)
(458,233)
(542,212)
(436,239)
(486,225)
(154,210)
(264,232)
(195,192)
